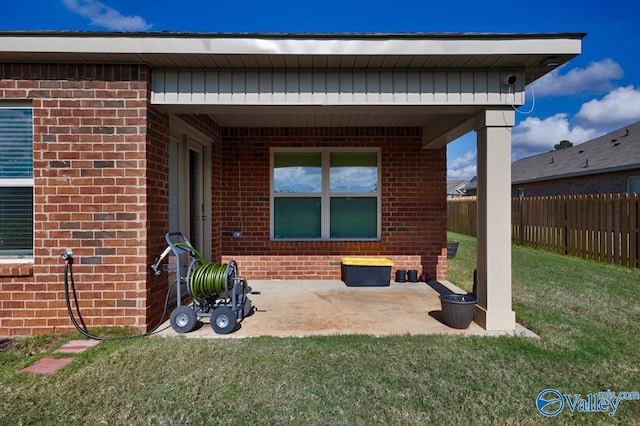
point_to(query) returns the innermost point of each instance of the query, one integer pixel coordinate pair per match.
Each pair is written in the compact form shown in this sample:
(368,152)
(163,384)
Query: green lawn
(586,314)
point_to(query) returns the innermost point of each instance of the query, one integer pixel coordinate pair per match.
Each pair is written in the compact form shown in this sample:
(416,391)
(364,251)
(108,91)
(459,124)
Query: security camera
(510,80)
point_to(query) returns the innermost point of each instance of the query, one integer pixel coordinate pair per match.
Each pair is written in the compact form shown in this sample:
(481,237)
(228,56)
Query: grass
(586,314)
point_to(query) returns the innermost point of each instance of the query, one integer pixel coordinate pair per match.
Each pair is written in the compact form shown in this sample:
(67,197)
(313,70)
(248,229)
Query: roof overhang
(528,52)
(477,57)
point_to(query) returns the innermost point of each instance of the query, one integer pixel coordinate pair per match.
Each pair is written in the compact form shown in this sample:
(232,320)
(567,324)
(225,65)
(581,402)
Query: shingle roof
(456,187)
(611,152)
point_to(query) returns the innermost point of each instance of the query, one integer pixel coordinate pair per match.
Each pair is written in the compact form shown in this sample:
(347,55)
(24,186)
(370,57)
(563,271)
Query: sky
(595,93)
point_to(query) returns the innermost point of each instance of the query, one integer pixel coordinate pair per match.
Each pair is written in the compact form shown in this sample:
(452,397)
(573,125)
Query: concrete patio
(314,308)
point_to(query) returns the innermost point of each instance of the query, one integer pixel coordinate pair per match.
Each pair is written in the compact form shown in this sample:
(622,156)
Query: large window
(325,194)
(16,181)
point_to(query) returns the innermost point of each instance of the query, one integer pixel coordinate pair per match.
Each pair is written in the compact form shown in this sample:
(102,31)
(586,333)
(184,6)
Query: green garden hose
(207,279)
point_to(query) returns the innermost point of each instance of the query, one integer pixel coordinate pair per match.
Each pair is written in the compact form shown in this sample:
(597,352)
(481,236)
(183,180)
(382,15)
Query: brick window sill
(13,270)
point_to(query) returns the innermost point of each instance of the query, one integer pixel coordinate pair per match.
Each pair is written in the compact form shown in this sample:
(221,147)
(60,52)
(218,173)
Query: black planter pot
(452,248)
(458,310)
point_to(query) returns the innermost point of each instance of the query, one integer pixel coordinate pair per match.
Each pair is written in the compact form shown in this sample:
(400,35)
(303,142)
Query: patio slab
(320,307)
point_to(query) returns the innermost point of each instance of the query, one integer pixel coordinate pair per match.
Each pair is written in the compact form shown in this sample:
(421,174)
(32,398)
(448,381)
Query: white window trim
(20,182)
(325,194)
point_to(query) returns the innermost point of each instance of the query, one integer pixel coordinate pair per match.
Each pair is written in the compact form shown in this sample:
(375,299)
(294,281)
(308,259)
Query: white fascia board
(266,46)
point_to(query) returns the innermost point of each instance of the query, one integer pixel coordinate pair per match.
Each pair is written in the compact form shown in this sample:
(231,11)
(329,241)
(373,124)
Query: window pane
(634,185)
(353,172)
(16,143)
(354,217)
(297,172)
(16,221)
(296,217)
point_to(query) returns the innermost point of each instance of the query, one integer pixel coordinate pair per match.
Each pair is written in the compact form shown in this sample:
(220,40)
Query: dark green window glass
(16,221)
(296,217)
(354,217)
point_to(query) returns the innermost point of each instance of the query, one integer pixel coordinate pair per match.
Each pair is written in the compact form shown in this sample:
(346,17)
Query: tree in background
(563,144)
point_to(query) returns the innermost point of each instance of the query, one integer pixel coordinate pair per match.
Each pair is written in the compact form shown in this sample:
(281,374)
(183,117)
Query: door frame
(189,139)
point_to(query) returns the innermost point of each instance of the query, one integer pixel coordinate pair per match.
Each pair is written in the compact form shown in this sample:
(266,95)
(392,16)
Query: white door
(189,189)
(197,213)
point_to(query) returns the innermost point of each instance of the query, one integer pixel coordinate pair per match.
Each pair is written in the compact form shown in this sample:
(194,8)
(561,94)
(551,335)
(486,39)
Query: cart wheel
(223,320)
(183,319)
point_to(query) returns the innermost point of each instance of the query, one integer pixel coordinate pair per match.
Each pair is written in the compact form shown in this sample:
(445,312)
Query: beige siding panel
(427,88)
(332,90)
(414,90)
(279,85)
(360,87)
(467,88)
(198,87)
(440,91)
(481,87)
(265,82)
(185,89)
(252,87)
(169,87)
(494,88)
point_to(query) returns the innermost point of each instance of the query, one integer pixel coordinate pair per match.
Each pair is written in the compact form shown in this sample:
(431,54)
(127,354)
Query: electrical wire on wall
(533,102)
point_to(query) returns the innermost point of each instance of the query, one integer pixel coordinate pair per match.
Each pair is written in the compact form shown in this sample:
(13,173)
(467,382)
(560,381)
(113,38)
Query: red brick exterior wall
(413,203)
(101,175)
(92,152)
(601,183)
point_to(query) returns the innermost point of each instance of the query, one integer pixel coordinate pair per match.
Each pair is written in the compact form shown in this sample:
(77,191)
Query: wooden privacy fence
(602,227)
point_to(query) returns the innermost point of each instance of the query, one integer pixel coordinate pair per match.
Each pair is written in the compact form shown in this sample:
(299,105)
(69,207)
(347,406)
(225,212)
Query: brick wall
(602,183)
(90,162)
(413,204)
(101,189)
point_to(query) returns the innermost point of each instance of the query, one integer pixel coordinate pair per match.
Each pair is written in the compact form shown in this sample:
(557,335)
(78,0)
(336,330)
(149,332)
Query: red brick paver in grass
(77,346)
(51,365)
(47,365)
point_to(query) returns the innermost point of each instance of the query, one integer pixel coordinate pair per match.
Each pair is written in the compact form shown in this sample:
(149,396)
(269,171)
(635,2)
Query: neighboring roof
(611,152)
(298,51)
(456,187)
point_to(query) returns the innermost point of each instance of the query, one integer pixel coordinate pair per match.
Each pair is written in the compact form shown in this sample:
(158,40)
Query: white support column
(494,310)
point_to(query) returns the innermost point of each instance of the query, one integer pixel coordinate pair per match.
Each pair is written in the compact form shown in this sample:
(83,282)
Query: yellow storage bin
(366,271)
(366,261)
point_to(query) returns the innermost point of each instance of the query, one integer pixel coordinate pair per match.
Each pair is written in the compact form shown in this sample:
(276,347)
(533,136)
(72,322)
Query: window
(16,181)
(634,185)
(325,194)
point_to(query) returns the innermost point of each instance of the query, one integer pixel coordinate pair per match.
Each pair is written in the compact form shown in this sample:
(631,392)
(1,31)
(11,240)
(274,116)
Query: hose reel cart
(217,290)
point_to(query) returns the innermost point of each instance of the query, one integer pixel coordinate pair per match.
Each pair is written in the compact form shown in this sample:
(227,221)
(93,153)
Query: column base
(495,320)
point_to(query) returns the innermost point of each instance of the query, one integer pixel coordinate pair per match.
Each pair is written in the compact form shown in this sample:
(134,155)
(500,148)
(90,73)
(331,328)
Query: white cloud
(619,107)
(104,16)
(596,77)
(534,135)
(463,168)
